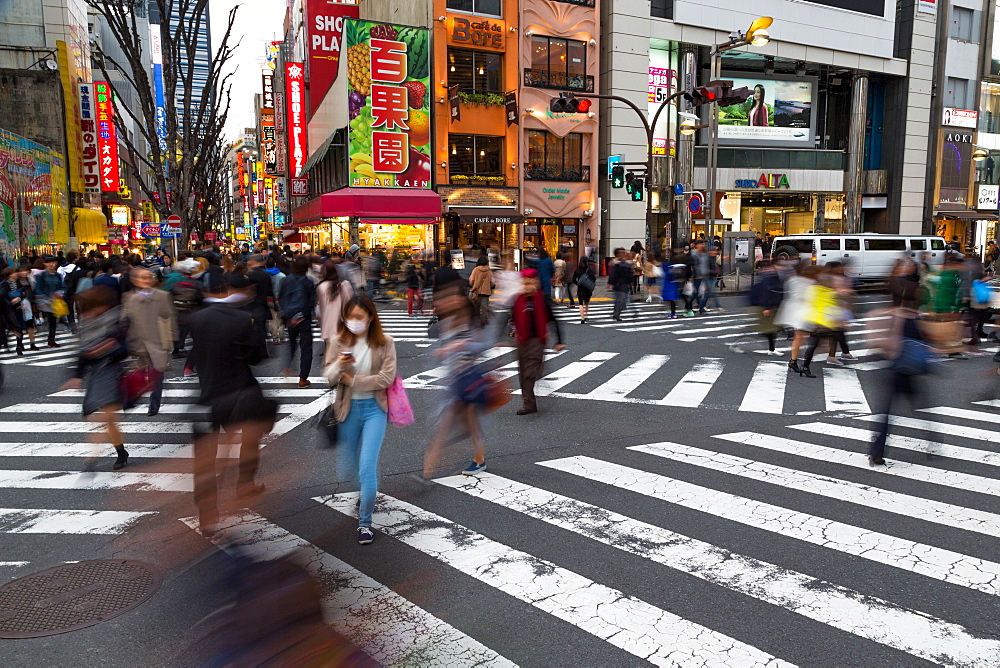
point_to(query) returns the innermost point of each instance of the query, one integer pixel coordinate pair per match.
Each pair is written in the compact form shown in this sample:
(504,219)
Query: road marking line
(46,520)
(926,510)
(934,562)
(165,409)
(962,413)
(622,384)
(101,480)
(843,390)
(766,391)
(903,442)
(388,627)
(434,376)
(972,483)
(695,385)
(623,621)
(560,378)
(849,610)
(936,427)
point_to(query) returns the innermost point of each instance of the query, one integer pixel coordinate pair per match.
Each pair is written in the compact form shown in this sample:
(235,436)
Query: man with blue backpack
(297,301)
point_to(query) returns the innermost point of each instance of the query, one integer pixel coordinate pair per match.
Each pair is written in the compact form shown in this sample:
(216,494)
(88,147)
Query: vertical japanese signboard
(161,104)
(295,97)
(88,124)
(325,29)
(107,137)
(388,69)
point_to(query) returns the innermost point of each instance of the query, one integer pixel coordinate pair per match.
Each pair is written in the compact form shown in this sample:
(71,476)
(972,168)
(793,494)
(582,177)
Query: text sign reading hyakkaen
(388,73)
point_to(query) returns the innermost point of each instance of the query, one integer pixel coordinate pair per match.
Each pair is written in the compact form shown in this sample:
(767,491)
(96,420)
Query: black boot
(794,366)
(122,458)
(20,347)
(804,371)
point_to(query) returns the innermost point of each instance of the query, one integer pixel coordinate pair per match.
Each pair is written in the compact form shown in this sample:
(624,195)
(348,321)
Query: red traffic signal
(566,103)
(713,91)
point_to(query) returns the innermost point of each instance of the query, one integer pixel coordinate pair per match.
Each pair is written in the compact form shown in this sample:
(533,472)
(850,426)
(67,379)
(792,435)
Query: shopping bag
(400,412)
(138,382)
(59,307)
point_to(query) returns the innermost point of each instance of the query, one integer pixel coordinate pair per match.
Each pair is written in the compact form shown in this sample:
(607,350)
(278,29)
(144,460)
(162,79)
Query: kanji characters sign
(295,98)
(387,68)
(88,125)
(107,138)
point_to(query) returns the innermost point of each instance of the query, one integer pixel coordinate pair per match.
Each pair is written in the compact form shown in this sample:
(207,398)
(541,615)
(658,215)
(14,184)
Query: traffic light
(567,103)
(638,186)
(617,176)
(711,92)
(732,95)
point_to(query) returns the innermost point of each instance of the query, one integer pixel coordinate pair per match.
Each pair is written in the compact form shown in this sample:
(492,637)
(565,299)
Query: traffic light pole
(649,127)
(713,153)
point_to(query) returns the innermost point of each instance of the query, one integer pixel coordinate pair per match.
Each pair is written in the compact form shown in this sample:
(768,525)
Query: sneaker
(649,300)
(848,357)
(688,314)
(833,361)
(958,356)
(365,536)
(474,468)
(702,311)
(774,353)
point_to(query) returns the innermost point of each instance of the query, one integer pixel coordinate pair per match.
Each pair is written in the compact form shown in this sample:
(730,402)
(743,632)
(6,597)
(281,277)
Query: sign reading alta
(764,181)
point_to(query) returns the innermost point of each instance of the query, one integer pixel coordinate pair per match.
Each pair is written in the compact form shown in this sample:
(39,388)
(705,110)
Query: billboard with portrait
(780,111)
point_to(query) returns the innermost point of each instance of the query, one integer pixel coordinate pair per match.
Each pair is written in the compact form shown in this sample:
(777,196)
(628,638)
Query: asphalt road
(672,503)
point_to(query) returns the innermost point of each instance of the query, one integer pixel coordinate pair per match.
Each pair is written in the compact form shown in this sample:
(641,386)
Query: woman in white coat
(794,310)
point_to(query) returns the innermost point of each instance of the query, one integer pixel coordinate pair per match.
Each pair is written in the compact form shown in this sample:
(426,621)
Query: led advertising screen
(873,7)
(779,111)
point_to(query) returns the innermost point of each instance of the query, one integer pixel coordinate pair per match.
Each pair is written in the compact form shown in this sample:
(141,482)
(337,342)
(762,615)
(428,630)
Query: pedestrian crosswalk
(728,547)
(64,355)
(397,324)
(826,515)
(755,386)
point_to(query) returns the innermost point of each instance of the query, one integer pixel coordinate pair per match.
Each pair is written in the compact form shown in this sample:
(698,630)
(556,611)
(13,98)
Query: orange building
(477,161)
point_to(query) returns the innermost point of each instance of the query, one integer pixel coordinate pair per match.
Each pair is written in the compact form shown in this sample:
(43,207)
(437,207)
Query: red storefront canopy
(406,206)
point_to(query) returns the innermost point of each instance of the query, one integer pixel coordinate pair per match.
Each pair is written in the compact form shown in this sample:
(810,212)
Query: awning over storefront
(967,215)
(493,215)
(397,221)
(398,205)
(91,226)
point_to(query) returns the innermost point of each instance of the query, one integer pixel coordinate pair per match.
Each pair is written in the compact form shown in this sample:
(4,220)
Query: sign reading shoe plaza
(764,181)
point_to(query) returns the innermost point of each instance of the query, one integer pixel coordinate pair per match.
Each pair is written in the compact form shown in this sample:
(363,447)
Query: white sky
(257,23)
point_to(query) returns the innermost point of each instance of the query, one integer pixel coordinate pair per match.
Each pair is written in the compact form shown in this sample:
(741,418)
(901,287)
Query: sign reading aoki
(764,181)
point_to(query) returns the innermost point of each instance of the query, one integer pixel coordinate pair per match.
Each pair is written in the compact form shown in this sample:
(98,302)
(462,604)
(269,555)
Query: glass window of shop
(475,71)
(555,235)
(491,7)
(476,156)
(554,158)
(562,59)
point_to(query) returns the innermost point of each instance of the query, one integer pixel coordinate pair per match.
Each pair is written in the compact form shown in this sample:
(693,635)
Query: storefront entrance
(776,214)
(555,235)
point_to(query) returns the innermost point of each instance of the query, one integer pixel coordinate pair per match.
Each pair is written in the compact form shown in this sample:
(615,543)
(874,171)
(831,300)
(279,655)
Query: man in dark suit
(259,309)
(226,345)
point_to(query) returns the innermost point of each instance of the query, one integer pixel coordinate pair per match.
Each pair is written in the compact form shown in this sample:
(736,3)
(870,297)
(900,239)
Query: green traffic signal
(636,191)
(617,176)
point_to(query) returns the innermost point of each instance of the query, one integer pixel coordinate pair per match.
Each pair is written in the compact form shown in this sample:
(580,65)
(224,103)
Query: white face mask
(356,326)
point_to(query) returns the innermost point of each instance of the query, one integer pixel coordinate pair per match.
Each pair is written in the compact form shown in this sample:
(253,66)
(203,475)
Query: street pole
(713,152)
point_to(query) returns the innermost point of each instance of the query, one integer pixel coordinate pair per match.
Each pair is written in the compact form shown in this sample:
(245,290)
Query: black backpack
(187,293)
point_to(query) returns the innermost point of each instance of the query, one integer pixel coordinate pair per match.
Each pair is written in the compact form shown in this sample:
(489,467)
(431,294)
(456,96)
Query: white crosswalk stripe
(397,324)
(640,380)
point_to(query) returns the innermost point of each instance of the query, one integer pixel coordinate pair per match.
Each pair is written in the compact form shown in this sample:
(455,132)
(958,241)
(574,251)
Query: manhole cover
(70,597)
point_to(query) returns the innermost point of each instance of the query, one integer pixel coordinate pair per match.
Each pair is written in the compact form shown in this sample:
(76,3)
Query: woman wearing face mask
(361,364)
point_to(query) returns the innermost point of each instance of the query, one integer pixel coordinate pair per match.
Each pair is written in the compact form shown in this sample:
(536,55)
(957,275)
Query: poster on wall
(325,30)
(927,6)
(388,71)
(662,84)
(28,193)
(779,110)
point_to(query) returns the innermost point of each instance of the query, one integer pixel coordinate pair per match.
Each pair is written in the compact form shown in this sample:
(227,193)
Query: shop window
(937,244)
(918,244)
(552,158)
(852,244)
(475,71)
(476,159)
(491,7)
(558,63)
(829,244)
(885,244)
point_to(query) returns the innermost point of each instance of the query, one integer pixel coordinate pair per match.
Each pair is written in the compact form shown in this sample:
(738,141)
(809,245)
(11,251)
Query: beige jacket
(481,281)
(152,327)
(384,374)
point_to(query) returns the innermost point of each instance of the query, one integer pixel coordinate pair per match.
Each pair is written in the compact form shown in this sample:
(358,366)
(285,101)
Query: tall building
(201,63)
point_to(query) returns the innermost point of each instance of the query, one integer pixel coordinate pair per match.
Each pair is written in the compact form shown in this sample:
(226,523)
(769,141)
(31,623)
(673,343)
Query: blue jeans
(361,436)
(702,297)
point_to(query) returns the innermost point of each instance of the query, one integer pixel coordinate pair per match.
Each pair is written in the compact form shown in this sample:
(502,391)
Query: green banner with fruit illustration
(388,74)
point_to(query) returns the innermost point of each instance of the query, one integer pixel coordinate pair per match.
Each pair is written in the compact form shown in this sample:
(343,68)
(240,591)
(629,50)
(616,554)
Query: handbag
(329,425)
(400,413)
(138,382)
(498,394)
(586,282)
(472,386)
(59,307)
(688,290)
(915,358)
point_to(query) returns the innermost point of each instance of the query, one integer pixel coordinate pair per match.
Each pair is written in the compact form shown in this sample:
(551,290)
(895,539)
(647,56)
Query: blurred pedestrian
(676,275)
(99,367)
(942,324)
(835,278)
(188,294)
(585,279)
(793,312)
(361,365)
(545,268)
(263,283)
(532,315)
(49,287)
(481,288)
(226,346)
(652,272)
(460,342)
(701,271)
(297,301)
(620,282)
(558,279)
(825,318)
(15,291)
(765,300)
(414,278)
(149,318)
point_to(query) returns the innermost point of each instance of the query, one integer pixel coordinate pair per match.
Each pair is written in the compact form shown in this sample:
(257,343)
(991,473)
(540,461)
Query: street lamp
(756,35)
(979,155)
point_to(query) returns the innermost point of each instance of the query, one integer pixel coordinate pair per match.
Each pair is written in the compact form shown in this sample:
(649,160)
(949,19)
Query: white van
(867,257)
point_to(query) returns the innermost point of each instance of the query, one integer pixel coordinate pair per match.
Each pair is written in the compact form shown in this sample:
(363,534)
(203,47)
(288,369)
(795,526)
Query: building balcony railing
(558,80)
(578,173)
(489,180)
(582,3)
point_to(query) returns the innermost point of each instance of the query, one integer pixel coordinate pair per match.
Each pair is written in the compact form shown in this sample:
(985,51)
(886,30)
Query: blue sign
(612,161)
(151,230)
(679,189)
(168,231)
